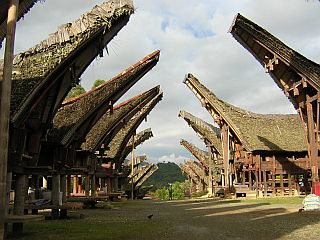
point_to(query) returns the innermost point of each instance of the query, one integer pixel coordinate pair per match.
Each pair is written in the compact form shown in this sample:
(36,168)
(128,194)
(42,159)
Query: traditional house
(211,137)
(295,75)
(259,150)
(102,133)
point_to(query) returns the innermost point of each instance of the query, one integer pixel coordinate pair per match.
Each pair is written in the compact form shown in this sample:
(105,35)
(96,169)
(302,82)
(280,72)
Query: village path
(187,219)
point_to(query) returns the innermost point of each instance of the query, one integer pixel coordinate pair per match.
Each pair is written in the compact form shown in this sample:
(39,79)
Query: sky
(193,38)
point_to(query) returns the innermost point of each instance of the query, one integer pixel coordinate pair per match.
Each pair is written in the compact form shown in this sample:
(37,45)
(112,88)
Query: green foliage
(178,190)
(97,83)
(75,91)
(162,193)
(166,173)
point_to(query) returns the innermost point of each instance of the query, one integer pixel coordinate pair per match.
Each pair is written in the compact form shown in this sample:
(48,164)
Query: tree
(97,83)
(75,91)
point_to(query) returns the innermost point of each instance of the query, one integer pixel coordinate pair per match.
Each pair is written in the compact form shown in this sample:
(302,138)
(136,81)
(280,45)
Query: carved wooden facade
(295,75)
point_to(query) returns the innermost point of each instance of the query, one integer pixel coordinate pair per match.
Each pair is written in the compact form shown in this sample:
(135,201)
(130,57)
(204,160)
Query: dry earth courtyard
(185,219)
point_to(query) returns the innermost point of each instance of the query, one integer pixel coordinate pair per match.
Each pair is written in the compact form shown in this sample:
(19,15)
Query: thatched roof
(71,120)
(186,170)
(206,130)
(148,171)
(112,121)
(256,132)
(198,170)
(24,7)
(38,69)
(199,154)
(139,138)
(120,141)
(289,67)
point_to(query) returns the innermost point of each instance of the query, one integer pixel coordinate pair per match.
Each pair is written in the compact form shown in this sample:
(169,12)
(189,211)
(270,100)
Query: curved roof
(37,70)
(256,132)
(198,170)
(206,130)
(119,142)
(90,106)
(248,32)
(199,154)
(139,138)
(112,121)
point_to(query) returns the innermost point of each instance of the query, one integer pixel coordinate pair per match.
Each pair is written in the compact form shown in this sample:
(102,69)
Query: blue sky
(193,37)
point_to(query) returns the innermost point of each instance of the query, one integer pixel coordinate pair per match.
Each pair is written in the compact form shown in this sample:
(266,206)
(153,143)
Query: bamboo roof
(206,130)
(24,7)
(119,142)
(37,69)
(112,121)
(199,154)
(91,105)
(141,173)
(256,132)
(139,138)
(289,69)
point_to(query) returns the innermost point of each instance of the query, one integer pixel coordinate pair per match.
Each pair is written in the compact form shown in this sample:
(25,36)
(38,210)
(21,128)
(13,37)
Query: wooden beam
(265,186)
(225,144)
(5,109)
(313,144)
(281,185)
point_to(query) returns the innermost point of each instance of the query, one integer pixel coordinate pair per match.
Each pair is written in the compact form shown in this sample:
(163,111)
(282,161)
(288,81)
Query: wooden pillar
(290,184)
(225,143)
(250,179)
(109,185)
(68,185)
(63,188)
(256,182)
(55,189)
(243,177)
(273,184)
(281,185)
(80,184)
(265,185)
(75,184)
(55,195)
(116,184)
(5,96)
(87,186)
(210,186)
(306,183)
(93,186)
(19,198)
(313,144)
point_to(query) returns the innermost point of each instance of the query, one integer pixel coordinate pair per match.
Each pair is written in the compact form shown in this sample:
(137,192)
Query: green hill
(166,173)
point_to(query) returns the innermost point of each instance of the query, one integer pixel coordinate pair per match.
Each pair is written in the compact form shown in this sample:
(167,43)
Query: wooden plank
(290,184)
(265,186)
(250,179)
(281,185)
(273,184)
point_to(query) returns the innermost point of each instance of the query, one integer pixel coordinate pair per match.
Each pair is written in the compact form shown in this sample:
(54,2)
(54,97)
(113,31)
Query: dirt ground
(187,219)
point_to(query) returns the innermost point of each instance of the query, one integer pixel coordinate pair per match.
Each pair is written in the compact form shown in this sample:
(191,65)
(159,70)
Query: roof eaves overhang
(69,70)
(136,121)
(195,123)
(300,71)
(214,110)
(119,85)
(117,124)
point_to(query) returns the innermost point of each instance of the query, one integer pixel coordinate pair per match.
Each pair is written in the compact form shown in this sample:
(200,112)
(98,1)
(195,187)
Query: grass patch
(275,200)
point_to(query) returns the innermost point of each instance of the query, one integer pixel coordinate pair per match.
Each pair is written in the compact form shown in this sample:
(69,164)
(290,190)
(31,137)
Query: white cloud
(220,62)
